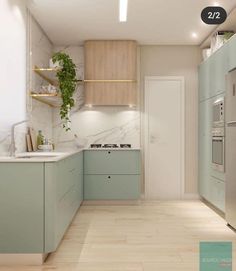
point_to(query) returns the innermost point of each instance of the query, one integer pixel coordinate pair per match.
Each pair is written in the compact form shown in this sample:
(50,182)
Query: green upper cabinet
(112,162)
(219,65)
(232,53)
(212,73)
(204,80)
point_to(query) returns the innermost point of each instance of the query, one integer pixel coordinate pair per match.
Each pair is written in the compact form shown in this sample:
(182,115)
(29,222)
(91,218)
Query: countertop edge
(59,158)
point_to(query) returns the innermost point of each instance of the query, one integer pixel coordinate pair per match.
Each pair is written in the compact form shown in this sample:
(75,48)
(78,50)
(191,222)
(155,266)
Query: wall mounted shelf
(110,80)
(48,74)
(53,100)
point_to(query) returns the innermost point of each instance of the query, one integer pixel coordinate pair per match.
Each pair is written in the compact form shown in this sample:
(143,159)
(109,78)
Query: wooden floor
(152,236)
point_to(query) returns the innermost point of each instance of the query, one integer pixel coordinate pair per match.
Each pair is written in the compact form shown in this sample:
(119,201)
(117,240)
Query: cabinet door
(79,177)
(205,148)
(111,162)
(204,81)
(119,93)
(22,208)
(63,196)
(219,63)
(232,53)
(111,187)
(108,60)
(111,60)
(217,197)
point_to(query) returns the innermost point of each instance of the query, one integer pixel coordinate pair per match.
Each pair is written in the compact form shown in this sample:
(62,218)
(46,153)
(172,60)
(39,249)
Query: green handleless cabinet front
(204,80)
(204,148)
(38,202)
(217,193)
(219,65)
(112,174)
(63,196)
(22,208)
(112,187)
(112,162)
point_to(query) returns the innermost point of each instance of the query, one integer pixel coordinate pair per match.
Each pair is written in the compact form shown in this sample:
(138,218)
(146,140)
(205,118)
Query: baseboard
(22,259)
(110,202)
(189,196)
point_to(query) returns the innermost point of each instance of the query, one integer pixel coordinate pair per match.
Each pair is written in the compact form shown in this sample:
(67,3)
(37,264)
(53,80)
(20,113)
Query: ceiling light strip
(123,10)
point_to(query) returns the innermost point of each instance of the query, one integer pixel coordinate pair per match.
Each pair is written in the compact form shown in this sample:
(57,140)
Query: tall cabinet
(110,72)
(212,85)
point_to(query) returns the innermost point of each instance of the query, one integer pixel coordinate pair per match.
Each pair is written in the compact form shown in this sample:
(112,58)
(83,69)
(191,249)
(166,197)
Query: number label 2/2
(213,15)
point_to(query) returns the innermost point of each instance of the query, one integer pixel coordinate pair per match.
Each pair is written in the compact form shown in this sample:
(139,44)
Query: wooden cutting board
(33,138)
(28,143)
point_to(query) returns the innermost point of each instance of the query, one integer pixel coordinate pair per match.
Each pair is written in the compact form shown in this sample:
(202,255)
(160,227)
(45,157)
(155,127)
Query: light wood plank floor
(151,236)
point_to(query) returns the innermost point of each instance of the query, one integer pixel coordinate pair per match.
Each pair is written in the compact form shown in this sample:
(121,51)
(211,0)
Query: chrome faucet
(13,143)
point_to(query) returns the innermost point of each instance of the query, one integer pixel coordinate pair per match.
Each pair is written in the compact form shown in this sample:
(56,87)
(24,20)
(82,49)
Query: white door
(164,152)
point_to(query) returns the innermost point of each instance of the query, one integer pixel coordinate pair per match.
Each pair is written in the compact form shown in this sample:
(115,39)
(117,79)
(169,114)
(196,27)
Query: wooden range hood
(110,72)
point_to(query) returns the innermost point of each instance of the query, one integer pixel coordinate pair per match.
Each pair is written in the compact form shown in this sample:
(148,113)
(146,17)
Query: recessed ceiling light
(123,10)
(194,35)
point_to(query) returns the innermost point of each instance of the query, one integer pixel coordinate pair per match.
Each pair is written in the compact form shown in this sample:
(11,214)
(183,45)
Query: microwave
(218,115)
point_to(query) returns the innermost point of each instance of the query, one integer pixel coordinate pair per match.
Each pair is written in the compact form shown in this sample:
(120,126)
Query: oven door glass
(218,150)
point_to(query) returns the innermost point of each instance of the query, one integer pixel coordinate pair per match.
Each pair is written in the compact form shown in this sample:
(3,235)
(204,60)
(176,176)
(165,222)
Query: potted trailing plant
(66,75)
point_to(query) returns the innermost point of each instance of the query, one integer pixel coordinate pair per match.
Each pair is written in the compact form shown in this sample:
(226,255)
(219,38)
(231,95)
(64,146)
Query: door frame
(146,129)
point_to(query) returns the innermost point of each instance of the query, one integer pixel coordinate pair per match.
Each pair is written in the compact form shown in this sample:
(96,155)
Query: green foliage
(67,84)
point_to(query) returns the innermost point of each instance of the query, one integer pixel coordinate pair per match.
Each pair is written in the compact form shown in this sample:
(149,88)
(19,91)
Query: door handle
(231,123)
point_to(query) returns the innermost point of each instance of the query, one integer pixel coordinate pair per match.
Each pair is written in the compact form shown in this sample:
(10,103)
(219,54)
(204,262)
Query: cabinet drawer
(111,187)
(112,162)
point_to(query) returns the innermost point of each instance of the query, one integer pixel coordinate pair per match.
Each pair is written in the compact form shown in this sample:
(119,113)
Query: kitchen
(126,175)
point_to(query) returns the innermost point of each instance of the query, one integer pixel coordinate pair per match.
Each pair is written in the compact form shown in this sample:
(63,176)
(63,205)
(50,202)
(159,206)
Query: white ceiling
(149,21)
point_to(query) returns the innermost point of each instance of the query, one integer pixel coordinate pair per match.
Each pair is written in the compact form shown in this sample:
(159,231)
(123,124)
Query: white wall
(13,67)
(179,61)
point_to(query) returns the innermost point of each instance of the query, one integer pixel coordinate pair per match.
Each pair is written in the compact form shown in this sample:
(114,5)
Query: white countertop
(8,159)
(63,155)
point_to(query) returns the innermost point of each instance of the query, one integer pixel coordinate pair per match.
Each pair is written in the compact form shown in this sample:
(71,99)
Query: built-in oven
(218,110)
(218,149)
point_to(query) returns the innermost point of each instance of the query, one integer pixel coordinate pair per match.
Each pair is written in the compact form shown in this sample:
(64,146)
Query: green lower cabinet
(217,194)
(37,203)
(112,162)
(22,207)
(111,187)
(63,196)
